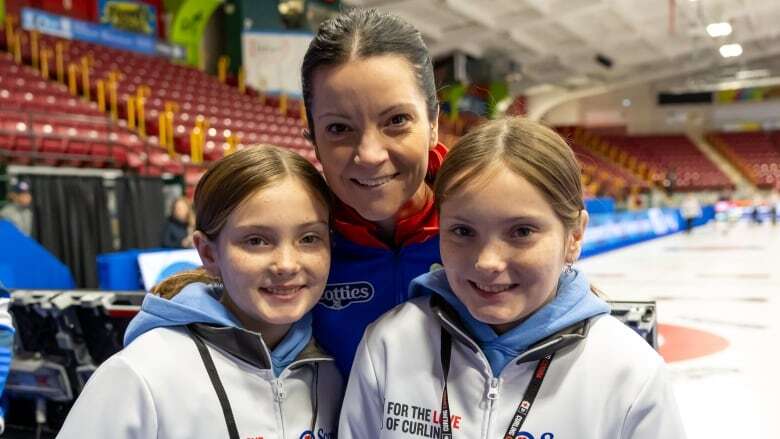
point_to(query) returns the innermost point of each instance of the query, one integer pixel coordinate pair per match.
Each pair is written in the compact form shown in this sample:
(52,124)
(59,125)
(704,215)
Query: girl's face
(503,248)
(372,134)
(273,256)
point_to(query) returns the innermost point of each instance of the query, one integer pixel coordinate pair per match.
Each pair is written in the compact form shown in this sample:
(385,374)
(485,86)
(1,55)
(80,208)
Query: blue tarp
(26,264)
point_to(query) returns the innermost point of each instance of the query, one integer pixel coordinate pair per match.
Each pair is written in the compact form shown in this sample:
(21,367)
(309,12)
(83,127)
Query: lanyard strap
(227,412)
(522,409)
(205,355)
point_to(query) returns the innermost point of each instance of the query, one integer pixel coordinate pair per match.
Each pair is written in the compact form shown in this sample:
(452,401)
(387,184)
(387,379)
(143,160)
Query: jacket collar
(250,347)
(568,336)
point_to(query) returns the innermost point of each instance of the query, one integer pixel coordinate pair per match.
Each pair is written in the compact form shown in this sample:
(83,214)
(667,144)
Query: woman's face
(503,248)
(372,133)
(181,211)
(273,255)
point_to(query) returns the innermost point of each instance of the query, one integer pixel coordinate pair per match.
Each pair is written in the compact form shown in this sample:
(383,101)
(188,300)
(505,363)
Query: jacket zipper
(492,397)
(401,294)
(279,394)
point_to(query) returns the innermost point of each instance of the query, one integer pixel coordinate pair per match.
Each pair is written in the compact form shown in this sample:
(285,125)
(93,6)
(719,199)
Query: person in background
(508,340)
(372,111)
(755,212)
(774,203)
(232,354)
(690,209)
(19,210)
(177,232)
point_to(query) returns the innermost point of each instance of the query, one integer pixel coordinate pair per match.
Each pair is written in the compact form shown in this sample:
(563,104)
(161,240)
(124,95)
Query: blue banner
(72,29)
(609,231)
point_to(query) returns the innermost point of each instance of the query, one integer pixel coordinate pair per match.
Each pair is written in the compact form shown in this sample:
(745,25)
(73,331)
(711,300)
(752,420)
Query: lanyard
(522,409)
(227,412)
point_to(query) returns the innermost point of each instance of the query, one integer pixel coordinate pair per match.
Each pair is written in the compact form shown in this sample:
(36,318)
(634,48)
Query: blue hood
(199,303)
(572,304)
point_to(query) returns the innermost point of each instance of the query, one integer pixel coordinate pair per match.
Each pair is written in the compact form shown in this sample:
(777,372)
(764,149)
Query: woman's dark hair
(362,33)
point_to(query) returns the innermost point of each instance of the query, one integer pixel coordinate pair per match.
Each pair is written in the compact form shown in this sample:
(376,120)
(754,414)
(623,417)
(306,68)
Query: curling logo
(340,296)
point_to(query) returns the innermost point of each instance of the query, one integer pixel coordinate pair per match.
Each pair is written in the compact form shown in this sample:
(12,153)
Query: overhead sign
(128,15)
(72,29)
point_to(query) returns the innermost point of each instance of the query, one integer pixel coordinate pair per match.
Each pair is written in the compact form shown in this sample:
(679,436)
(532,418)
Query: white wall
(645,116)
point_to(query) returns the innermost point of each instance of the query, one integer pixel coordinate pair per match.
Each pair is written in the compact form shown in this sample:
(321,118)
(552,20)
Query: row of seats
(195,93)
(756,154)
(41,123)
(684,166)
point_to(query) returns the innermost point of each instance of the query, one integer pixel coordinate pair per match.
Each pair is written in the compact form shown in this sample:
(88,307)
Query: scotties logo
(340,296)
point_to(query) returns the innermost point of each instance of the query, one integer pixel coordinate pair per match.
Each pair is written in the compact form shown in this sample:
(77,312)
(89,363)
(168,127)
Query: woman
(177,231)
(372,111)
(511,342)
(232,359)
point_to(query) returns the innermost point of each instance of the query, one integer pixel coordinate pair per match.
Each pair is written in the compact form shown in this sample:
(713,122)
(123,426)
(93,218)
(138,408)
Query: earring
(568,269)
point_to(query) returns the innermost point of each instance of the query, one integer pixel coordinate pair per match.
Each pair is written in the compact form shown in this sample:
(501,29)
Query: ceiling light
(719,29)
(730,50)
(626,102)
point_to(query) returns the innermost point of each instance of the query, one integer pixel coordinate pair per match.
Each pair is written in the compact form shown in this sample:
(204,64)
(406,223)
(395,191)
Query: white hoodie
(604,382)
(158,386)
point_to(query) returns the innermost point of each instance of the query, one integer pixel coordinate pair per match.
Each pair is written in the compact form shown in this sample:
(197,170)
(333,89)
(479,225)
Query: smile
(374,182)
(491,288)
(283,290)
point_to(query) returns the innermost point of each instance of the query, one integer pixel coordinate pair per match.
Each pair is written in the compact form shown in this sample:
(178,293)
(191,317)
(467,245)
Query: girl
(511,342)
(233,359)
(372,111)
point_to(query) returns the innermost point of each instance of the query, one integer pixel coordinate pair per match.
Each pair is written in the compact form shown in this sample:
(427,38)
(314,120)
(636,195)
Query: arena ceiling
(555,43)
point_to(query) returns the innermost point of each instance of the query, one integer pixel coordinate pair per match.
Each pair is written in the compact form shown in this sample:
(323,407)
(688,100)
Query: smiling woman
(372,111)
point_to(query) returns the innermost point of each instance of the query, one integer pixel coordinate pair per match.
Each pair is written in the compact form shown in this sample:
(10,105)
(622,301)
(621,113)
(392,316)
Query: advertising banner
(72,29)
(128,15)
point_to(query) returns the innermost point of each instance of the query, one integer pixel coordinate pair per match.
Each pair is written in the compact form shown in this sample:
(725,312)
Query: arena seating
(41,123)
(194,93)
(755,154)
(677,157)
(45,124)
